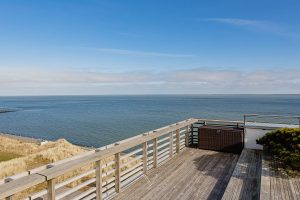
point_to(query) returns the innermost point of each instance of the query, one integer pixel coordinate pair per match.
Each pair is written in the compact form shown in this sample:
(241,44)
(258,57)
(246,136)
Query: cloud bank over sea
(30,81)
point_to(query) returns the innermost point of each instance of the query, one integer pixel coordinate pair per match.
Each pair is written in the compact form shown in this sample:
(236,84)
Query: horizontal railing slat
(110,163)
(131,153)
(76,188)
(132,172)
(163,139)
(108,186)
(131,179)
(130,169)
(131,161)
(85,193)
(109,193)
(163,145)
(105,174)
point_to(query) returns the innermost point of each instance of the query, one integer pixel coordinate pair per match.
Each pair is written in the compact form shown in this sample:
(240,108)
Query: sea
(96,121)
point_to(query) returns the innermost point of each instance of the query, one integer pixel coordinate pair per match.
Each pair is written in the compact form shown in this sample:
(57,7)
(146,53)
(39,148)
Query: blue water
(100,120)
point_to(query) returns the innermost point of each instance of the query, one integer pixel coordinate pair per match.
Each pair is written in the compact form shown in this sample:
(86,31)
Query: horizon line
(154,94)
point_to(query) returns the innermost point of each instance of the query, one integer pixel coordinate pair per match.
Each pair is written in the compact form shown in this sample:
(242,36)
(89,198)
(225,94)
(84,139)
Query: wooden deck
(276,184)
(245,181)
(193,174)
(133,173)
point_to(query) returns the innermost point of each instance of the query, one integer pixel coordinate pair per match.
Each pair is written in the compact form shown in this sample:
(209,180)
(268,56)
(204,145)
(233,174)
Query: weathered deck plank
(244,182)
(276,184)
(193,174)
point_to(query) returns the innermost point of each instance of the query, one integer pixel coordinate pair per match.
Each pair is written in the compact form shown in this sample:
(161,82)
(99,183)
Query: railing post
(155,153)
(6,181)
(192,133)
(187,136)
(117,172)
(98,180)
(145,157)
(51,189)
(171,144)
(177,141)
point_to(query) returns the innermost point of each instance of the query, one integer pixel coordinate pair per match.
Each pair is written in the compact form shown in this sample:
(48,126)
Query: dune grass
(5,156)
(22,155)
(30,155)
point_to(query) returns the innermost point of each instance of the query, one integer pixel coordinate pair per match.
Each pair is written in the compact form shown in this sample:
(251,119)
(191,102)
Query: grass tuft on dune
(22,155)
(32,155)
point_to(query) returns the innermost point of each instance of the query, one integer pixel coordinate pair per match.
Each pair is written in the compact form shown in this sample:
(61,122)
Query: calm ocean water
(100,120)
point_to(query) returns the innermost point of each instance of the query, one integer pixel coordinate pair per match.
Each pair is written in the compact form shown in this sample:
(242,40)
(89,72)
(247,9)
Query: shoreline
(22,138)
(40,141)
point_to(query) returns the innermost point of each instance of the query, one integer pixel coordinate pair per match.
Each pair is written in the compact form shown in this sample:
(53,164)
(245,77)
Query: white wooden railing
(104,172)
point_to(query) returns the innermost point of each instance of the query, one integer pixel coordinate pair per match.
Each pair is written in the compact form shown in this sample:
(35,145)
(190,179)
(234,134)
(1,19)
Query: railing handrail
(272,116)
(222,121)
(31,180)
(20,185)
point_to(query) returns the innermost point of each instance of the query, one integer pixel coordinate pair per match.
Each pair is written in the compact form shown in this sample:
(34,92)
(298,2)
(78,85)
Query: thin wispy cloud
(141,53)
(37,76)
(256,25)
(197,81)
(236,21)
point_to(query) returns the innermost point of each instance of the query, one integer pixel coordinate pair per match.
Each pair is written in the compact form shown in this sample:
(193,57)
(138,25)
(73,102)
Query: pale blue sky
(149,47)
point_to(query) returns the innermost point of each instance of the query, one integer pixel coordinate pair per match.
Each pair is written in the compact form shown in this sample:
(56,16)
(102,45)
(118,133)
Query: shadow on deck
(245,180)
(193,174)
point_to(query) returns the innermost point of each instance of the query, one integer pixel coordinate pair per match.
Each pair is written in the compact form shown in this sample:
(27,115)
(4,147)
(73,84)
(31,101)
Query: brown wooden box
(221,138)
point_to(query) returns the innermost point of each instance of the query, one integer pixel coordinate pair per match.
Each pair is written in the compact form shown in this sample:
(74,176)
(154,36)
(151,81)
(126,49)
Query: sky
(103,47)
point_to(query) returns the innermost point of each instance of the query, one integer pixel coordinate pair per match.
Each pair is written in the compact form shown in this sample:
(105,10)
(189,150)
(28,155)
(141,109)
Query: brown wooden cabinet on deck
(221,138)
